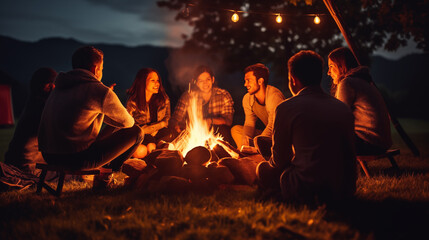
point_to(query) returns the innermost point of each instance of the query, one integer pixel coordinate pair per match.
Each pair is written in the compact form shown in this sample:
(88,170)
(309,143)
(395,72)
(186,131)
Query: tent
(6,107)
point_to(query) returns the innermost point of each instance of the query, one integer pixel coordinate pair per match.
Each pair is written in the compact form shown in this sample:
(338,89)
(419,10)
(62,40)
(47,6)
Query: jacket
(75,111)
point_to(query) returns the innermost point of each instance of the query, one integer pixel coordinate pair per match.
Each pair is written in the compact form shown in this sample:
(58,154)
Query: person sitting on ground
(69,132)
(353,85)
(260,102)
(217,104)
(313,157)
(150,106)
(23,151)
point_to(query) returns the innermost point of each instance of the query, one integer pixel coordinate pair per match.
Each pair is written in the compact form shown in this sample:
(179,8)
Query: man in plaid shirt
(217,104)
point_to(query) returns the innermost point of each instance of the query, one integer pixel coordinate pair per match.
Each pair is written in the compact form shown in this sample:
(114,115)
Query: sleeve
(179,114)
(115,113)
(250,118)
(228,108)
(346,93)
(272,102)
(282,149)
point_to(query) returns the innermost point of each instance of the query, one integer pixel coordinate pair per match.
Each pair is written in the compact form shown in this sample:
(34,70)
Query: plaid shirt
(219,105)
(142,118)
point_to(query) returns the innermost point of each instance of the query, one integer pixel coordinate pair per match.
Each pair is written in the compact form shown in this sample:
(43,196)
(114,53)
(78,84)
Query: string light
(279,18)
(235,17)
(185,11)
(316,19)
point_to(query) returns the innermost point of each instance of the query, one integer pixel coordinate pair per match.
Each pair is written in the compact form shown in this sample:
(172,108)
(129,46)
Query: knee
(237,129)
(262,169)
(138,132)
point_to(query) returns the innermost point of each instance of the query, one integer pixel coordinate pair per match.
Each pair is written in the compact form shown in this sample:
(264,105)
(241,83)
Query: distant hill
(20,59)
(404,82)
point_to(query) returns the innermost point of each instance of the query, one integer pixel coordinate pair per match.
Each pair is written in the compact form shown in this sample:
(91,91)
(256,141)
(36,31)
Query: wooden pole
(333,10)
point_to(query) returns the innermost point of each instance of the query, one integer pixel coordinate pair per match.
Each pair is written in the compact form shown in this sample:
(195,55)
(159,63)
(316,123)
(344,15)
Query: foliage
(256,37)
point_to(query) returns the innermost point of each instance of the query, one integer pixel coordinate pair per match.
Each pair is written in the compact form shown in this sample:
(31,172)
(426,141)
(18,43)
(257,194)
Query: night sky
(125,22)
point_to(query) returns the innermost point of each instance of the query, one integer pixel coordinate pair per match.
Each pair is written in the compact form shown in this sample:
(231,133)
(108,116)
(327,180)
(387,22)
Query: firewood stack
(201,170)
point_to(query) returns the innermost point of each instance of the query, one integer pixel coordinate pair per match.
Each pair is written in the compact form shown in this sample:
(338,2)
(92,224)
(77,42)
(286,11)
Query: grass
(389,205)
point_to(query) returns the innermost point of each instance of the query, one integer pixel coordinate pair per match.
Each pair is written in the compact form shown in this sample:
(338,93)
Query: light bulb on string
(185,12)
(235,17)
(279,18)
(316,19)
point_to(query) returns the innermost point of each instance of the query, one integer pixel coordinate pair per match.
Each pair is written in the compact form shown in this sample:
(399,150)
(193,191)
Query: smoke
(181,64)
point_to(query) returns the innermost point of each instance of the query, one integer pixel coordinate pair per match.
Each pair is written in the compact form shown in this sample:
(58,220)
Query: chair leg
(60,184)
(393,162)
(41,181)
(364,167)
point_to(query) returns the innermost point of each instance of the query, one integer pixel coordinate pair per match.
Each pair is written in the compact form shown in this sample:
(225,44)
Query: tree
(256,37)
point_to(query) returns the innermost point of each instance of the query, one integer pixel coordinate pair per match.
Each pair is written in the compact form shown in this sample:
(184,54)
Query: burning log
(168,162)
(198,156)
(233,152)
(220,152)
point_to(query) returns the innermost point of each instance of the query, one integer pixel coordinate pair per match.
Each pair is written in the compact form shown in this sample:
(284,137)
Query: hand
(112,86)
(177,128)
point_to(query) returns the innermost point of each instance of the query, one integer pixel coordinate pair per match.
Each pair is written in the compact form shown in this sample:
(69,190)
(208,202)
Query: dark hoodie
(372,122)
(74,113)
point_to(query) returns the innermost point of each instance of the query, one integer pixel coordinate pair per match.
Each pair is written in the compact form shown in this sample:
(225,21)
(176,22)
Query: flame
(197,132)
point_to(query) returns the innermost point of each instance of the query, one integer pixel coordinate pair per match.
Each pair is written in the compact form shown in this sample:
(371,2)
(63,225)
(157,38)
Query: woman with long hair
(353,85)
(150,106)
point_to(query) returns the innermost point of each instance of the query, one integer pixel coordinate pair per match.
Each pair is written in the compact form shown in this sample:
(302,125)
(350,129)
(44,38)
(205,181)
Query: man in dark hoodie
(69,132)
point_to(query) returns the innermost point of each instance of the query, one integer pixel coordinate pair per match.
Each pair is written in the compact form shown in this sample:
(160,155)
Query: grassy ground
(390,205)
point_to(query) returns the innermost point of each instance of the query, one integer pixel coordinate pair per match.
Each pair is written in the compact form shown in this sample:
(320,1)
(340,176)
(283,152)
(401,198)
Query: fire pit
(191,160)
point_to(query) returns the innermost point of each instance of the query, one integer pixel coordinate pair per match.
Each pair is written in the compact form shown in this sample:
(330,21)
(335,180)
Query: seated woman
(150,106)
(23,151)
(217,104)
(352,84)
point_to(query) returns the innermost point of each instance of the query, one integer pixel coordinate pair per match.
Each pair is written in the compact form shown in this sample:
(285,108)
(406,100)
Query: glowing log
(198,156)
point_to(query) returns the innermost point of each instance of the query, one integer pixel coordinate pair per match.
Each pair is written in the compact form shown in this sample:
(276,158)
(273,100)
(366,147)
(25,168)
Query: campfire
(197,160)
(199,133)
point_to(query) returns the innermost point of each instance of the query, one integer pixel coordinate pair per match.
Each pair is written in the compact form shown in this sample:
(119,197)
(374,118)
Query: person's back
(23,151)
(321,133)
(313,155)
(72,116)
(69,132)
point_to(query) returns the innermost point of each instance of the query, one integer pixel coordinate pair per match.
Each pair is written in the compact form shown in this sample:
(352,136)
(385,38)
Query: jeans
(111,149)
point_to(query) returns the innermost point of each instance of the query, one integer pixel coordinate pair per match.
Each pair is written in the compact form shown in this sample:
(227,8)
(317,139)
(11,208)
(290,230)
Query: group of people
(310,140)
